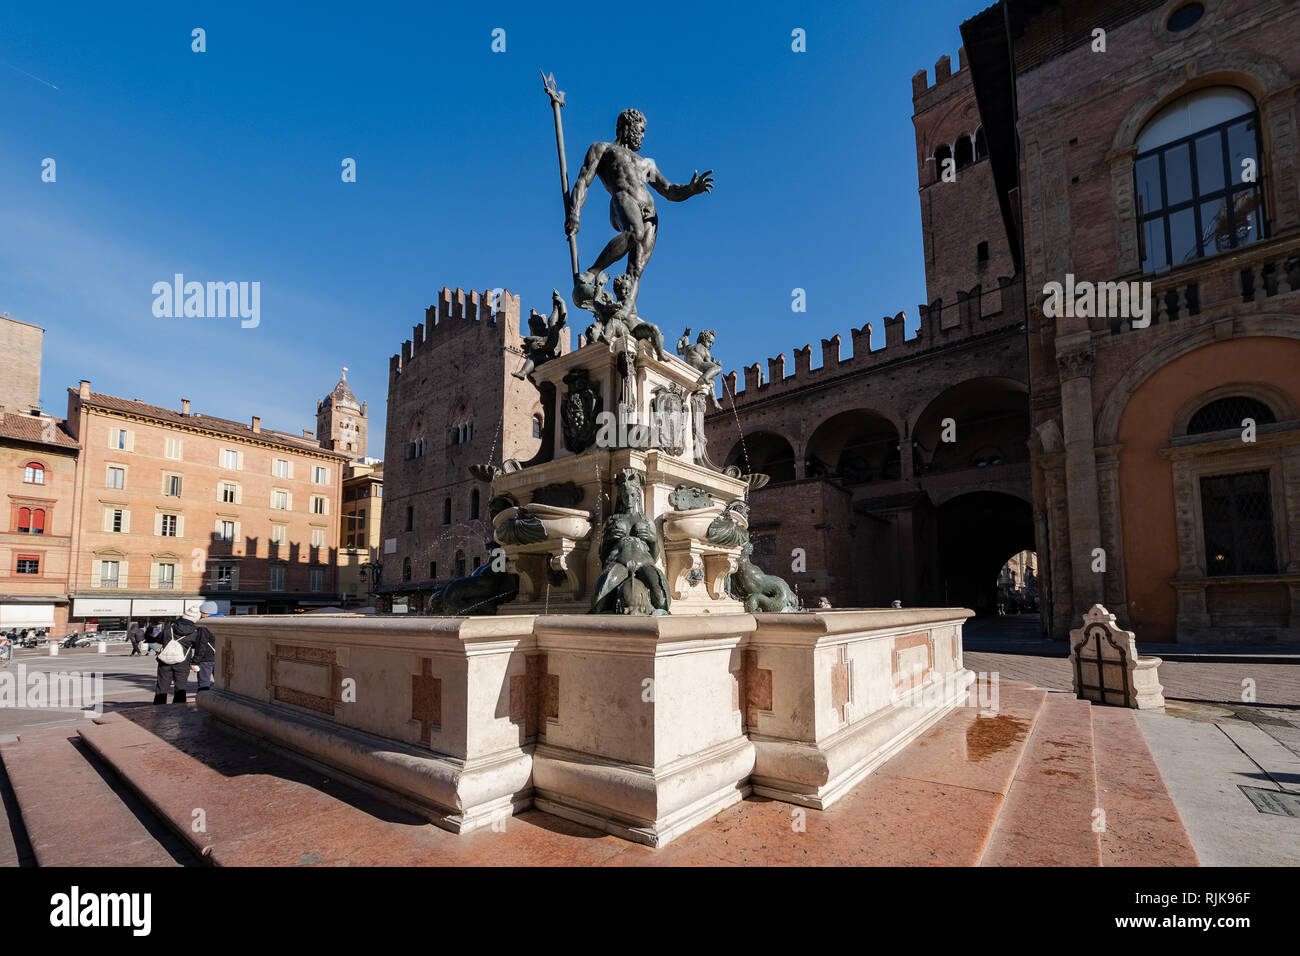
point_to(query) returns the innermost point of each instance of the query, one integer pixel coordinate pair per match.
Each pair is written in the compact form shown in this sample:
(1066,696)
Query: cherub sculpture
(616,316)
(698,356)
(544,343)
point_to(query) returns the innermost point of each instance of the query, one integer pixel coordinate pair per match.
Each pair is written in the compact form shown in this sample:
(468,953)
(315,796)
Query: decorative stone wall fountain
(637,672)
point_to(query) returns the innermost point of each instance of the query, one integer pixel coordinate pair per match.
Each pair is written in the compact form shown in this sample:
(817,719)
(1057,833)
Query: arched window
(460,564)
(941,157)
(446,511)
(1197,178)
(473,504)
(410,518)
(38,521)
(34,473)
(24,520)
(537,426)
(1223,413)
(964,152)
(406,569)
(981,145)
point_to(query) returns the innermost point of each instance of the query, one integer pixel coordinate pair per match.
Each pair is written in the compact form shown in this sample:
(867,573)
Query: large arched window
(1197,176)
(446,511)
(473,503)
(981,145)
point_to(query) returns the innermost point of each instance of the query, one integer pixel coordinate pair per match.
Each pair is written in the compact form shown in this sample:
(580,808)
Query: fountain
(625,666)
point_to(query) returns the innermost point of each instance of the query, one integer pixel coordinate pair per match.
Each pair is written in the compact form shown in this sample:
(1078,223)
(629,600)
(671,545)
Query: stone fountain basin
(558,522)
(691,525)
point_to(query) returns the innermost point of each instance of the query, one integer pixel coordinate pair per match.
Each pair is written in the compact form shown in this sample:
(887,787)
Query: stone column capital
(1076,363)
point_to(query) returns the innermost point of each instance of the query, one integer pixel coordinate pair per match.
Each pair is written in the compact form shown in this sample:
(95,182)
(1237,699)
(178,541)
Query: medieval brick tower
(966,247)
(452,403)
(341,420)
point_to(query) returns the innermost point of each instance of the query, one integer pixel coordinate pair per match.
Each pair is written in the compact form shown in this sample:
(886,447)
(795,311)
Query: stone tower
(452,403)
(965,240)
(341,420)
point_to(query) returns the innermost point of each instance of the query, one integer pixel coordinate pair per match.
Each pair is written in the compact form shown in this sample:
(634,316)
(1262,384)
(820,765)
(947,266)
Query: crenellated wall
(970,314)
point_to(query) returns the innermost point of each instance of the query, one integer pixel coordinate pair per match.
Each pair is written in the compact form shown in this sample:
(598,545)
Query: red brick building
(1155,141)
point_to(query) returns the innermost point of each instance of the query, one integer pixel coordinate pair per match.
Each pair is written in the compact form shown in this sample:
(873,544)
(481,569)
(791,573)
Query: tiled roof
(210,423)
(36,429)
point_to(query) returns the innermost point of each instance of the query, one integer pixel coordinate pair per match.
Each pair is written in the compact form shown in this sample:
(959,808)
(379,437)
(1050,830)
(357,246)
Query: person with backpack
(178,638)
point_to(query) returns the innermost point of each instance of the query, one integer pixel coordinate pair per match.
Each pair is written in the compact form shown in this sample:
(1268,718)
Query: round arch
(764,452)
(857,445)
(1258,75)
(991,415)
(1112,410)
(978,532)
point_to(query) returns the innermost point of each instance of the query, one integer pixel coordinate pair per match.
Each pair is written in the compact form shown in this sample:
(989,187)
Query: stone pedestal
(1106,667)
(645,738)
(834,694)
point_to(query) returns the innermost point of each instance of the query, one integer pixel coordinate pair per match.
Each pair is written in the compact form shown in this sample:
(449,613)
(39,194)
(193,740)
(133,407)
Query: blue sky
(225,166)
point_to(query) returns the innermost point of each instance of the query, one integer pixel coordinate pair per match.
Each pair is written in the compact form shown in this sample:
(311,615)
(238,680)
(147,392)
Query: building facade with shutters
(359,532)
(176,506)
(1166,451)
(38,469)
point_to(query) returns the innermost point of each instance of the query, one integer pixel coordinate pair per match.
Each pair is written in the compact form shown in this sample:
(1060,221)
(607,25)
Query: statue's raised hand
(701,184)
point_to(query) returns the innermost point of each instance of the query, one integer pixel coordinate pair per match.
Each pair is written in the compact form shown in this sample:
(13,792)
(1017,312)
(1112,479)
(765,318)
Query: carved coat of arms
(579,409)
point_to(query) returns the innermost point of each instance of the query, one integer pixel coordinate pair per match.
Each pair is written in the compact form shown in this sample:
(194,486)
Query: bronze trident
(557,101)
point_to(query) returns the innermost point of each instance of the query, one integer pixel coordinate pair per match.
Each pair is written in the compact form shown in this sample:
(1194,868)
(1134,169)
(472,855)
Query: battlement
(457,313)
(925,95)
(971,314)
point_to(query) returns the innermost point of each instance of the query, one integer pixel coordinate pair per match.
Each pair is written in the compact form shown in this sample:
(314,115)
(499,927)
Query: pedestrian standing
(205,653)
(177,639)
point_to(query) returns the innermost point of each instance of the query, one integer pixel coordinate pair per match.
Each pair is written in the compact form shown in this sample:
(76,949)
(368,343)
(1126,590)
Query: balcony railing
(1221,284)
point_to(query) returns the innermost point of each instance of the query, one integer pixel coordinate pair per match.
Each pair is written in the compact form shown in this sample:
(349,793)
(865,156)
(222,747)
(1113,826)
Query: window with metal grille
(1237,516)
(1228,413)
(29,565)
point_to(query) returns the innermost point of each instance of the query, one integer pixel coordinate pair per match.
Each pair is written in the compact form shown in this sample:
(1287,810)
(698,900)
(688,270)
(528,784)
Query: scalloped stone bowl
(559,522)
(690,525)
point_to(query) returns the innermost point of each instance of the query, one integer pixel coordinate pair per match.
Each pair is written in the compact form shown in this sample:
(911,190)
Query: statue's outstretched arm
(579,195)
(674,192)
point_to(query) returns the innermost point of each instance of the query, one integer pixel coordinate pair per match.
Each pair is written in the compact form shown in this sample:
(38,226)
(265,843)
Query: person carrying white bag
(178,639)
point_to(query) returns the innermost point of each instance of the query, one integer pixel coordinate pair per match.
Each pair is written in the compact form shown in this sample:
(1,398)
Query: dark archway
(764,453)
(856,446)
(987,417)
(978,532)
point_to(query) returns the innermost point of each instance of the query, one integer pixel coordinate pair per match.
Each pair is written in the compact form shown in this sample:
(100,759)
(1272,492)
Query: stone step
(1143,827)
(972,788)
(1048,817)
(76,814)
